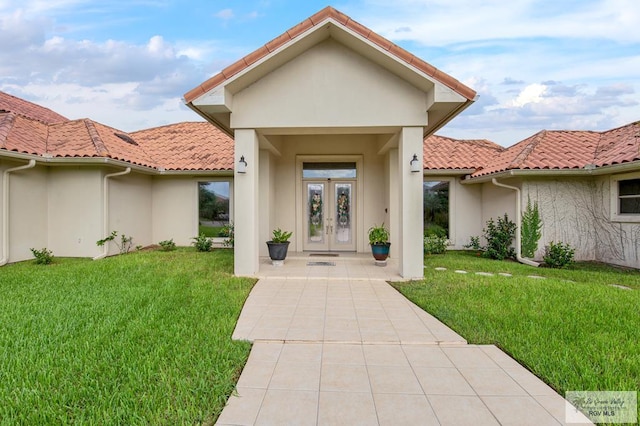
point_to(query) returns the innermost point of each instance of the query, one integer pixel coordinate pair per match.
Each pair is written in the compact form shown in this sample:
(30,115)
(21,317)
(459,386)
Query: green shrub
(228,231)
(124,246)
(499,236)
(530,231)
(474,244)
(43,257)
(435,244)
(167,245)
(558,255)
(202,242)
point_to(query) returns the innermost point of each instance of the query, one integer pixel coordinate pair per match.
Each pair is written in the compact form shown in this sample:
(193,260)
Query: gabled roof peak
(339,18)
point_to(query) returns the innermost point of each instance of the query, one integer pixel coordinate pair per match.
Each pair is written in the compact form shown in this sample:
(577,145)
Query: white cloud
(533,93)
(225,14)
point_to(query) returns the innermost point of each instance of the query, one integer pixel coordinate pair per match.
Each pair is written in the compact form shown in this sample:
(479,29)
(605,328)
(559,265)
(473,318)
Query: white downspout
(105,210)
(5,209)
(518,222)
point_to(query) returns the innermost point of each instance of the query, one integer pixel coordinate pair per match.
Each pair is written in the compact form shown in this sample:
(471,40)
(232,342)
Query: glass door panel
(315,235)
(329,216)
(343,232)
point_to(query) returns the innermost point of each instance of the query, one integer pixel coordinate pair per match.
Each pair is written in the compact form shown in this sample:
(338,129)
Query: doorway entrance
(329,223)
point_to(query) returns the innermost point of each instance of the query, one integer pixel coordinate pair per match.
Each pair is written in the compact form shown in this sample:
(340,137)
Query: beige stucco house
(324,131)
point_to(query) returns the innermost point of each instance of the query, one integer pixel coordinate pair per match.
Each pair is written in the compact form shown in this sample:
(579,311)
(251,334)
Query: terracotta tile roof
(188,146)
(9,103)
(619,145)
(22,134)
(86,138)
(563,149)
(342,19)
(440,152)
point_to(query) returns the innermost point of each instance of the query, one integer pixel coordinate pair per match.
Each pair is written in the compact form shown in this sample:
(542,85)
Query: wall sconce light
(415,164)
(242,165)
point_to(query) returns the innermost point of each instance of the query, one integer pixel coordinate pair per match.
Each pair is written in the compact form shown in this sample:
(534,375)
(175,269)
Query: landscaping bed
(142,338)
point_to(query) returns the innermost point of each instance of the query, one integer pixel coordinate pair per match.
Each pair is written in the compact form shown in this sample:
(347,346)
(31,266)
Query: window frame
(206,179)
(452,202)
(616,216)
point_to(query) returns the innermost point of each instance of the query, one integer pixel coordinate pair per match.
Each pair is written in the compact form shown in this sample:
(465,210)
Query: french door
(329,219)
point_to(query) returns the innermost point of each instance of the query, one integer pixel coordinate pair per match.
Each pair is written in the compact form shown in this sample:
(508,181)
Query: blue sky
(537,64)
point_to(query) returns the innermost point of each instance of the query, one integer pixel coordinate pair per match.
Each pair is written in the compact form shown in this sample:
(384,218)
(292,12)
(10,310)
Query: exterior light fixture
(242,165)
(415,164)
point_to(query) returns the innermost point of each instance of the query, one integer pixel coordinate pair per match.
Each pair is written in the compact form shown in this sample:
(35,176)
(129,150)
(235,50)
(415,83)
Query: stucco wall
(130,203)
(74,211)
(568,207)
(329,86)
(372,201)
(174,209)
(27,210)
(617,241)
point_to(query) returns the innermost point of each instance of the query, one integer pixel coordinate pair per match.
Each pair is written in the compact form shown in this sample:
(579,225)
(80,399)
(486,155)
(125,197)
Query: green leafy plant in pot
(379,240)
(279,245)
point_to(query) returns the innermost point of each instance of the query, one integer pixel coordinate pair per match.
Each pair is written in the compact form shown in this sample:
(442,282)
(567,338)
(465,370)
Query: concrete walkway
(356,352)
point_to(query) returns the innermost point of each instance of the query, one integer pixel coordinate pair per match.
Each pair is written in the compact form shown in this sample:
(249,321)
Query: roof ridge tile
(6,123)
(99,145)
(527,150)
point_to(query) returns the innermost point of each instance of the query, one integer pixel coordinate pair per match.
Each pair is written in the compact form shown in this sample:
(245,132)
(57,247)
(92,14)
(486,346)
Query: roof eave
(598,171)
(104,161)
(447,172)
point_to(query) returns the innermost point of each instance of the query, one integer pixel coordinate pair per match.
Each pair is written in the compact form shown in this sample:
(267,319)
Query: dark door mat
(321,263)
(324,254)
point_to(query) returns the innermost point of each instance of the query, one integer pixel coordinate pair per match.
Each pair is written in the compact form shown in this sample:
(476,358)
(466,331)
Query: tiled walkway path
(350,352)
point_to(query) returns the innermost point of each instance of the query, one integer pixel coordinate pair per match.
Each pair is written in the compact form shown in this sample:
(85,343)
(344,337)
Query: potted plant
(278,246)
(379,240)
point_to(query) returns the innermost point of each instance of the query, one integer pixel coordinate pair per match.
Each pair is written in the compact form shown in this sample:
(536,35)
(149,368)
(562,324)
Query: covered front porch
(329,91)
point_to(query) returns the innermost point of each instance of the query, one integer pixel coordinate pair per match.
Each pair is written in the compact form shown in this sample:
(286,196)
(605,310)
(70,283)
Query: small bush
(435,245)
(167,245)
(558,255)
(499,236)
(228,232)
(474,244)
(202,243)
(43,257)
(124,246)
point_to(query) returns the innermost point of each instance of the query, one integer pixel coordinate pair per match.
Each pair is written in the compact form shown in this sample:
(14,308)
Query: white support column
(246,212)
(411,239)
(395,222)
(265,201)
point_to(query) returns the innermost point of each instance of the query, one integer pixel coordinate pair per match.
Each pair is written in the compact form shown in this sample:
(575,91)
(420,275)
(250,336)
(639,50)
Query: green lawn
(143,338)
(572,329)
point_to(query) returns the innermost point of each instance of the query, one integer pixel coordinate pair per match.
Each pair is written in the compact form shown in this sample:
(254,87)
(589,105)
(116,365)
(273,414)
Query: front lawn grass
(572,329)
(142,338)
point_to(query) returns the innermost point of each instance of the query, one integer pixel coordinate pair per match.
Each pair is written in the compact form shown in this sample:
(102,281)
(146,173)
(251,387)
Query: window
(329,170)
(629,196)
(436,208)
(214,208)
